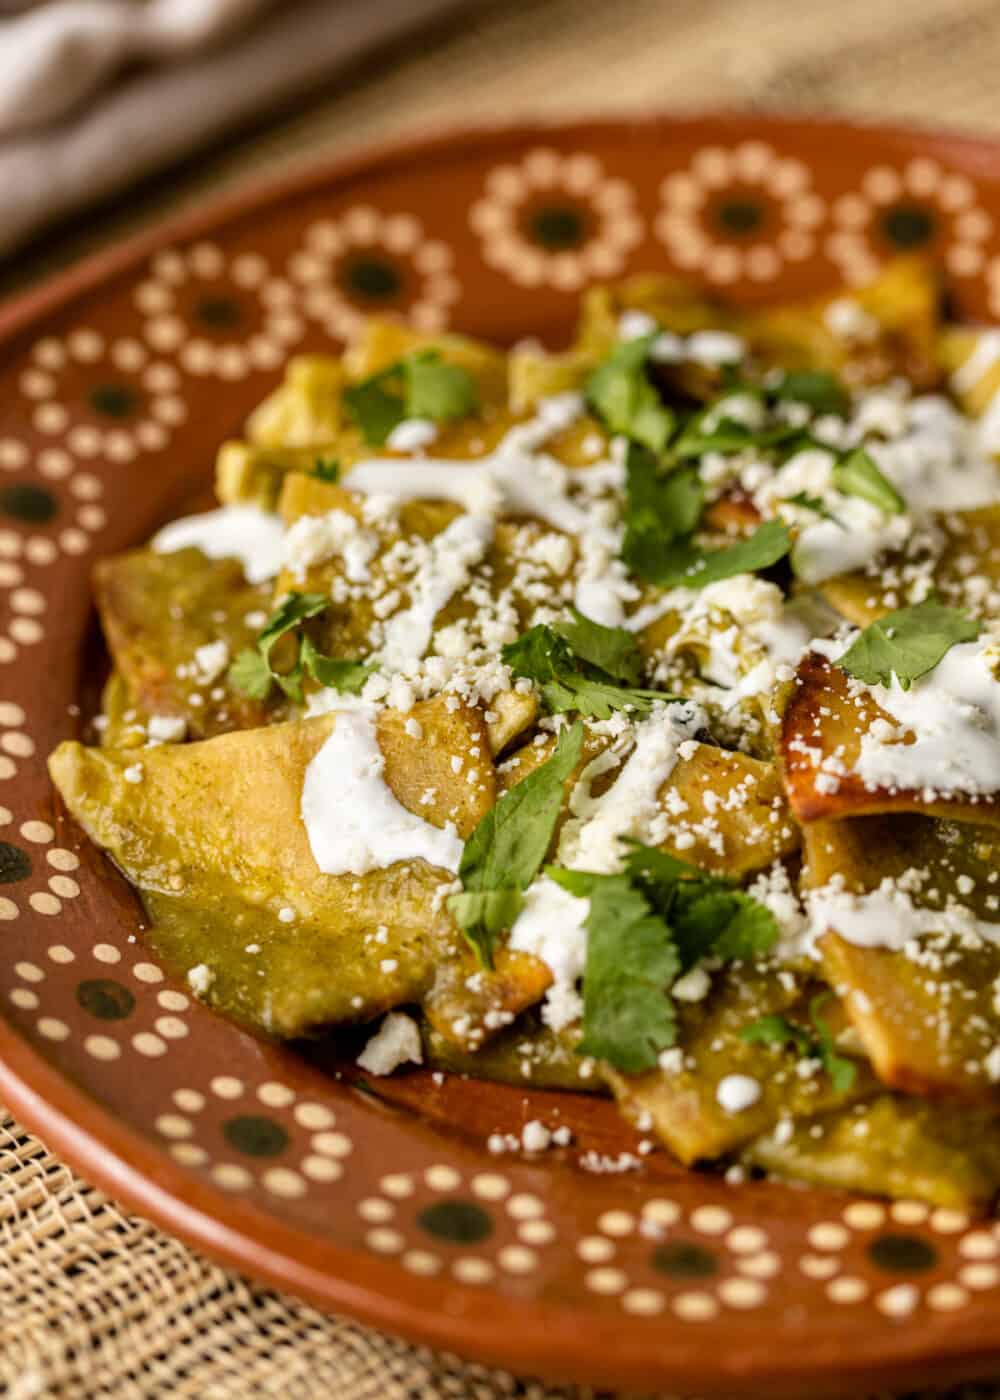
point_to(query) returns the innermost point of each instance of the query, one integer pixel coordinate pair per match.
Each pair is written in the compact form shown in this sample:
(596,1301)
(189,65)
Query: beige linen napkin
(95,93)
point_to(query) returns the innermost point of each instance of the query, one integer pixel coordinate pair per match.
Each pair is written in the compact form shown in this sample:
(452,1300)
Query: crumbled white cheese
(166,729)
(535,1136)
(200,979)
(737,1092)
(211,660)
(397,1042)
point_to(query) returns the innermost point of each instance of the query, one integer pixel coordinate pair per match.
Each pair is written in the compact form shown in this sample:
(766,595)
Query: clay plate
(116,384)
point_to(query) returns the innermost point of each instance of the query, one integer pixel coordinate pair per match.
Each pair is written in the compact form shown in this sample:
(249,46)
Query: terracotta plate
(116,384)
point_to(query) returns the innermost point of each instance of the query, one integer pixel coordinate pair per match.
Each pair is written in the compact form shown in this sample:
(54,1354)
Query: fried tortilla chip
(926,1007)
(157,610)
(945,1154)
(211,835)
(680,1102)
(824,721)
(960,550)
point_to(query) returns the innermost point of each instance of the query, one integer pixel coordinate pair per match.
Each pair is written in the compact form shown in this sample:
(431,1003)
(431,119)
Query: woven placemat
(93,1301)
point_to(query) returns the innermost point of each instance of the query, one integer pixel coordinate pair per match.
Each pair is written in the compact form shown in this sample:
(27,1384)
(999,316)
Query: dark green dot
(27,502)
(113,400)
(460,1222)
(908,226)
(15,864)
(558,226)
(680,1259)
(375,279)
(740,216)
(106,999)
(902,1254)
(256,1136)
(218,311)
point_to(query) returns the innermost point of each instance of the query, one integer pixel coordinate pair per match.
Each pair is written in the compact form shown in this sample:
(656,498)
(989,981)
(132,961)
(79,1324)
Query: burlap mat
(97,1303)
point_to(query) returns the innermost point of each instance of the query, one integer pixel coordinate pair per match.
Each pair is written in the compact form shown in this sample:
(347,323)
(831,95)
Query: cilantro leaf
(375,407)
(659,508)
(250,674)
(727,923)
(335,672)
(621,394)
(482,914)
(611,649)
(778,1030)
(907,643)
(567,681)
(857,474)
(662,511)
(708,915)
(842,1071)
(294,610)
(628,1017)
(687,565)
(254,671)
(420,385)
(438,390)
(819,390)
(505,852)
(326,469)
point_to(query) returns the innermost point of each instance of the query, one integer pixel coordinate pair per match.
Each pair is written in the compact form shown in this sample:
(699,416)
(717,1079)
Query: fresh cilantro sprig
(907,643)
(820,1045)
(326,469)
(505,852)
(257,669)
(645,927)
(816,388)
(662,510)
(420,385)
(858,474)
(689,565)
(628,1016)
(709,915)
(581,666)
(621,393)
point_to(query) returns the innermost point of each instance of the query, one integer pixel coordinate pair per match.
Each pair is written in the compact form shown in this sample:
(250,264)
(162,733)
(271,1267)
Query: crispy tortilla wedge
(822,726)
(681,1103)
(157,610)
(927,1015)
(945,1154)
(211,836)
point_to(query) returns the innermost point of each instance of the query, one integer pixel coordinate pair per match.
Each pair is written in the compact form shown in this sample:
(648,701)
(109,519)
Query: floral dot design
(98,399)
(221,317)
(739,213)
(556,220)
(901,1256)
(265,1137)
(475,1228)
(693,1263)
(365,262)
(920,207)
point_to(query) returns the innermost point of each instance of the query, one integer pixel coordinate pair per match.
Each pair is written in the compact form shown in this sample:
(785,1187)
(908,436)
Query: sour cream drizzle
(253,536)
(888,917)
(352,818)
(950,720)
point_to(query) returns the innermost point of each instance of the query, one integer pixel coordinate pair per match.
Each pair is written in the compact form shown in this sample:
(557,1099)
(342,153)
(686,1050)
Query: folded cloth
(95,93)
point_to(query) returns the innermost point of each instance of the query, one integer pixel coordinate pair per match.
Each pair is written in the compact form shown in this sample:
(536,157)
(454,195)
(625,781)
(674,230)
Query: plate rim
(108,1153)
